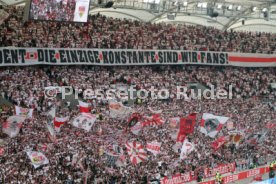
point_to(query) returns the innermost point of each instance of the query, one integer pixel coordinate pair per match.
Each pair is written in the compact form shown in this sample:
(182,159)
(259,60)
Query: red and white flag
(154,120)
(211,124)
(218,143)
(136,152)
(84,107)
(24,112)
(154,147)
(50,125)
(12,125)
(187,148)
(58,122)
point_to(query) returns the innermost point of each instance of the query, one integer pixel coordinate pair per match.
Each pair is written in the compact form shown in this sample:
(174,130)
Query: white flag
(187,148)
(84,121)
(136,128)
(37,158)
(118,110)
(12,125)
(211,124)
(24,112)
(50,123)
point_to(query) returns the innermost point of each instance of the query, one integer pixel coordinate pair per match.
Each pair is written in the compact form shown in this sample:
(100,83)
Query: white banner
(119,57)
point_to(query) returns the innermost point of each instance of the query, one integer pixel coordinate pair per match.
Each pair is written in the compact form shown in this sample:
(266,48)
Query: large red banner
(222,169)
(241,175)
(209,172)
(178,179)
(245,174)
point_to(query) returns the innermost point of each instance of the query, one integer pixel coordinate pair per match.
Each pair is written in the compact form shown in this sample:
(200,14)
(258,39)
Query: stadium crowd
(24,86)
(103,32)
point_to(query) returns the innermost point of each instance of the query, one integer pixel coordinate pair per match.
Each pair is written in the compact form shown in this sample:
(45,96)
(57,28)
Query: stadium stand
(47,138)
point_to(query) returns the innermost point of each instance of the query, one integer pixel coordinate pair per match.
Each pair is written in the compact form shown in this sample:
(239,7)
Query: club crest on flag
(23,111)
(37,158)
(211,124)
(81,10)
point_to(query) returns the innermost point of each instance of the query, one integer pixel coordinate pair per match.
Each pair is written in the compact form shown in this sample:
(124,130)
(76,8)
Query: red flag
(218,143)
(186,126)
(181,134)
(190,123)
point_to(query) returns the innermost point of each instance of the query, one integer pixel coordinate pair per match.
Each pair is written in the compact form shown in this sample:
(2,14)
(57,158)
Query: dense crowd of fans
(24,86)
(103,32)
